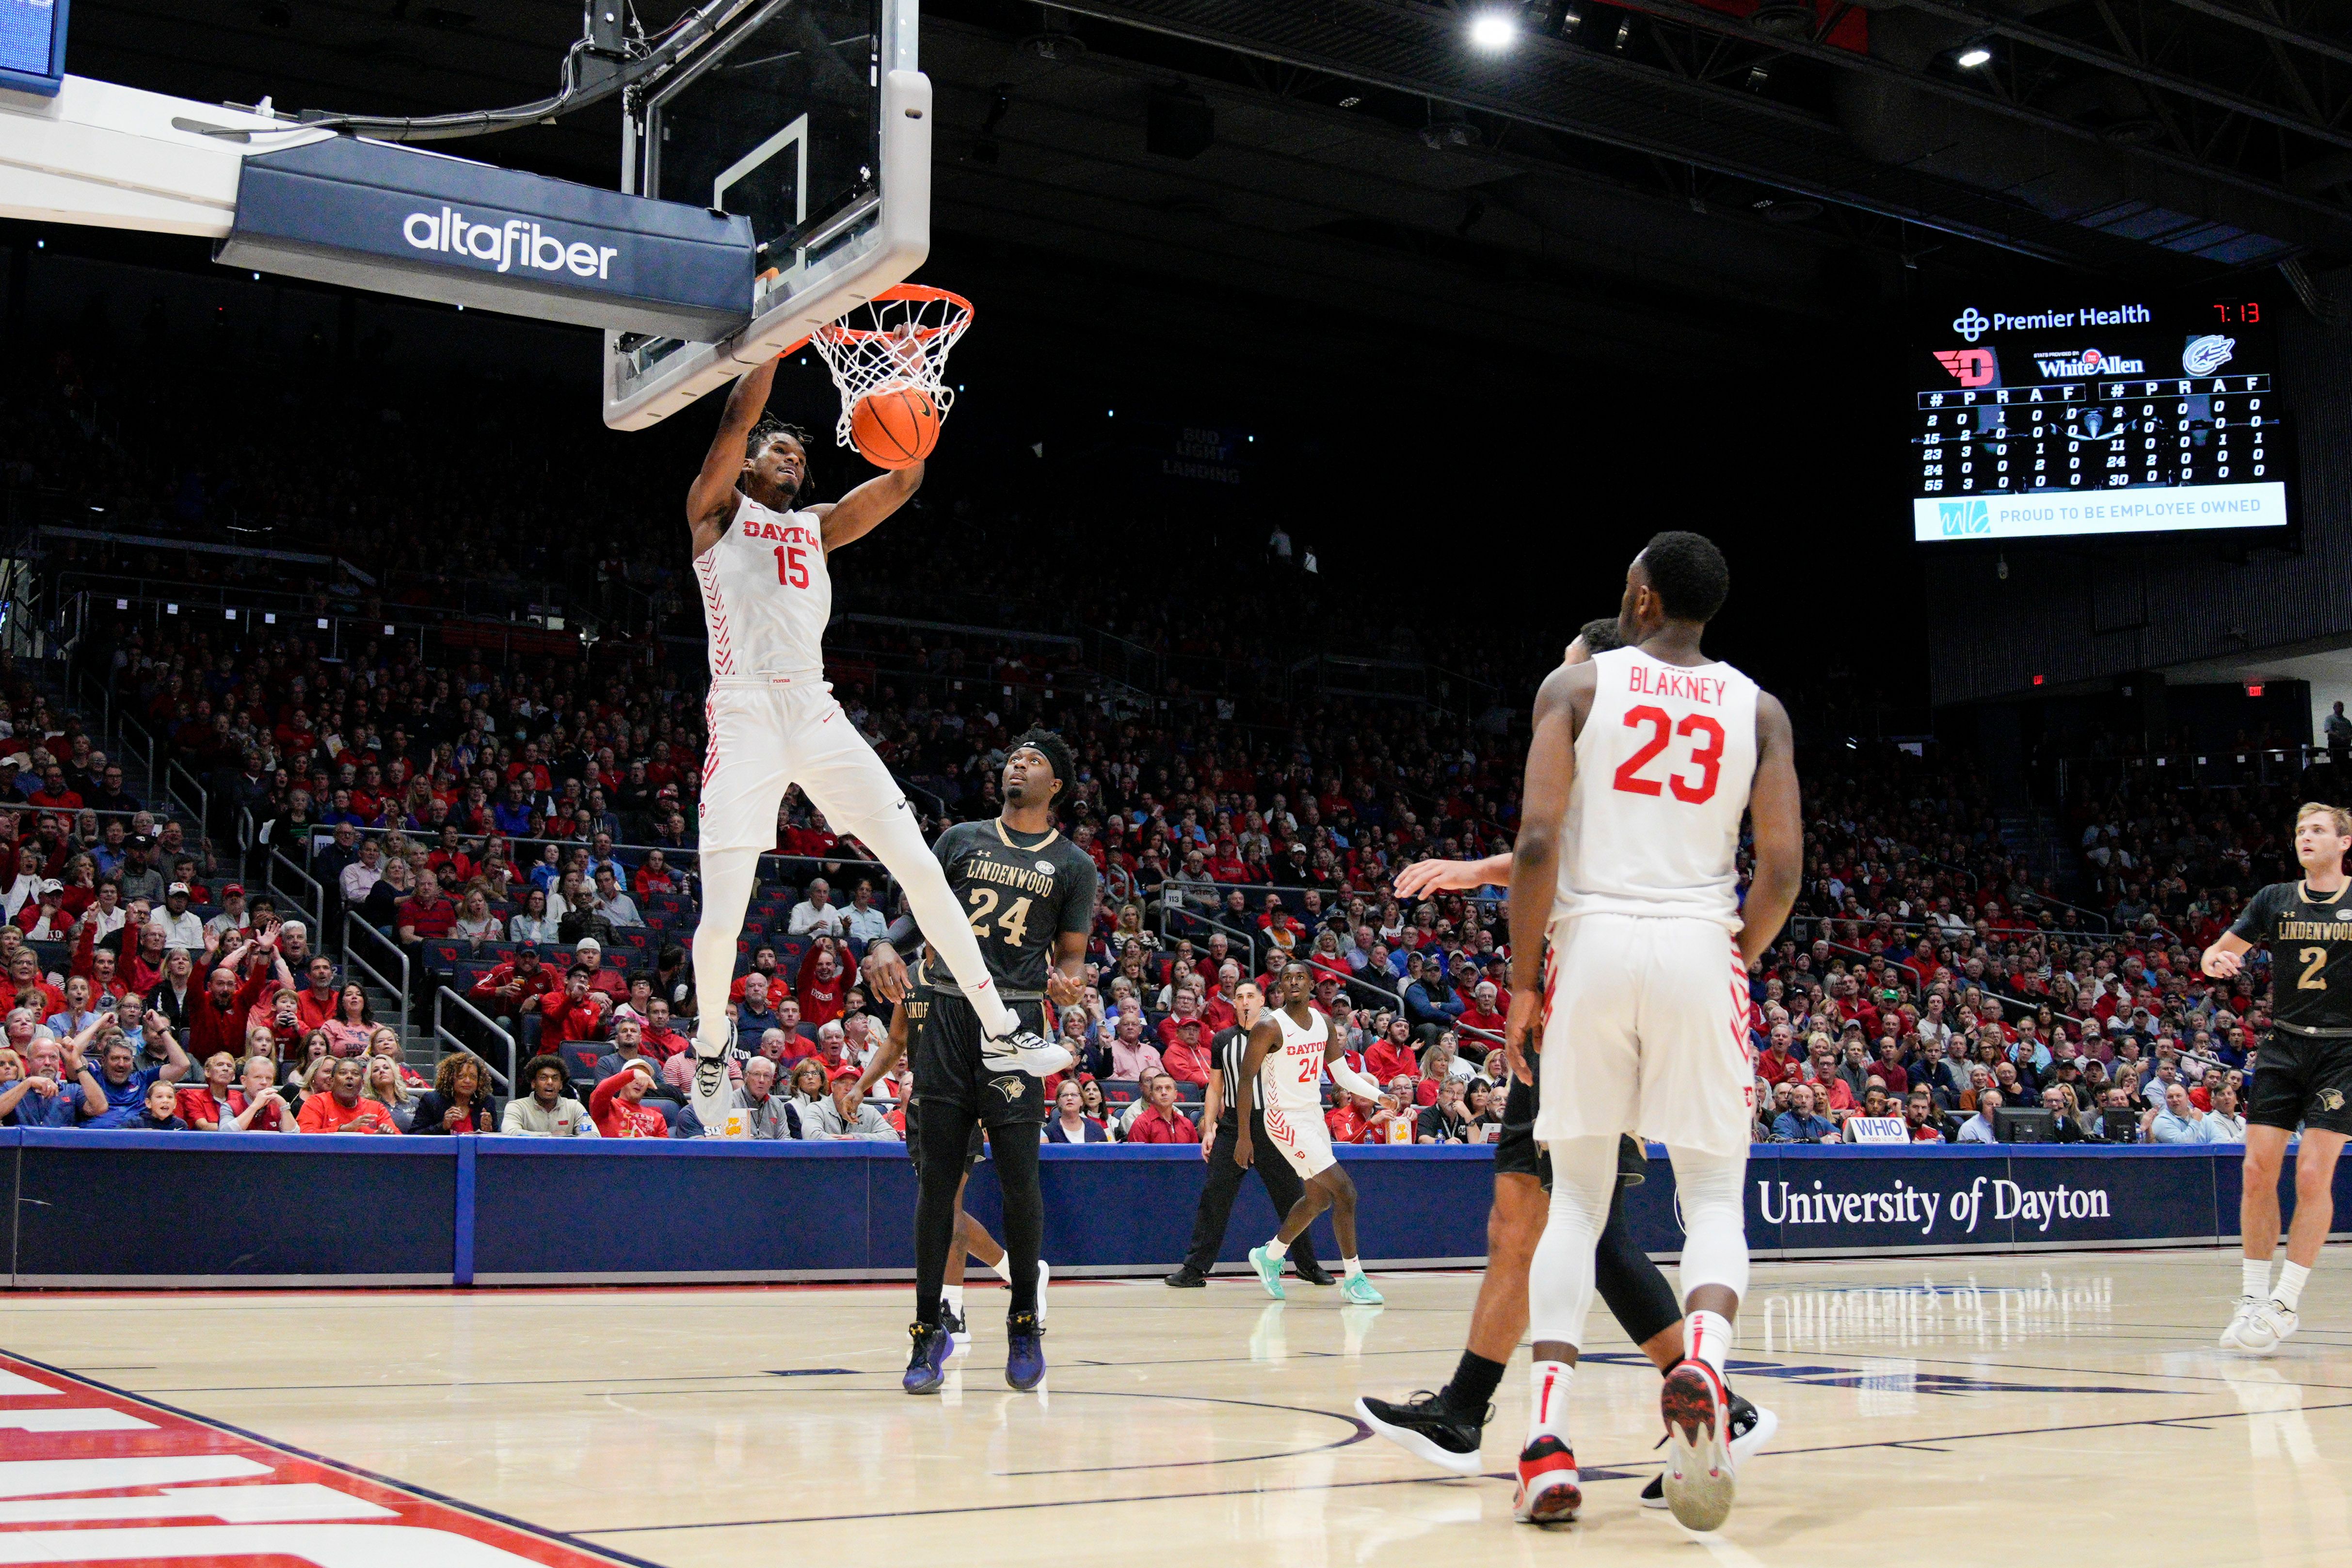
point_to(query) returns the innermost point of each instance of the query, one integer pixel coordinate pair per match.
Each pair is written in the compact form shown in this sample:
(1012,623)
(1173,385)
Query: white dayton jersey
(1290,1081)
(1646,1007)
(766,595)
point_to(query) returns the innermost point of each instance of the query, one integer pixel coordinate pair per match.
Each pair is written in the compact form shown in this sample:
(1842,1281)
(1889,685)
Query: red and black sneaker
(1699,1478)
(1549,1491)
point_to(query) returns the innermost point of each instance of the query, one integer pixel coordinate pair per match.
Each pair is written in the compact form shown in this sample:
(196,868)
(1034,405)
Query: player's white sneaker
(2240,1310)
(1025,1050)
(710,1092)
(2266,1326)
(1701,1476)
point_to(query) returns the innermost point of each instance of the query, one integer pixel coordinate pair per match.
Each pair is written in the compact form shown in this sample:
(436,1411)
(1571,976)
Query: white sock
(1002,1268)
(2255,1280)
(1277,1250)
(1707,1338)
(954,1294)
(1548,1399)
(2288,1292)
(1354,1267)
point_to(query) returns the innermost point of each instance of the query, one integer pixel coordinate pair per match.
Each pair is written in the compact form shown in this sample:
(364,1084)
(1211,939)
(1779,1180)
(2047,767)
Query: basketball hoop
(897,341)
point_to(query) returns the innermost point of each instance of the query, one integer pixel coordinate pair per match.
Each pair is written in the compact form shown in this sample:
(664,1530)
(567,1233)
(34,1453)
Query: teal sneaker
(1358,1290)
(1269,1271)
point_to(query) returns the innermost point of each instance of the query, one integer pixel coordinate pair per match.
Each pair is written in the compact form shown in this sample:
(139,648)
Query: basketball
(895,426)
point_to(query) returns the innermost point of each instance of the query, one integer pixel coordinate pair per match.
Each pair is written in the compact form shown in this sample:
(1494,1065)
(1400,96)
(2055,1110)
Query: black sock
(1474,1385)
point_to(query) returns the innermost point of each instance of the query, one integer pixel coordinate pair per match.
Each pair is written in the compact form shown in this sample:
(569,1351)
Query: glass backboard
(810,118)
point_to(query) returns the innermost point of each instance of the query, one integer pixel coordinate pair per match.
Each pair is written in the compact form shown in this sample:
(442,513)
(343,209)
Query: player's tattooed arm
(710,502)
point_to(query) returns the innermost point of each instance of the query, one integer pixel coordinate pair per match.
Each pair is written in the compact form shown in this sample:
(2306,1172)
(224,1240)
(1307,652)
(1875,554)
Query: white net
(900,339)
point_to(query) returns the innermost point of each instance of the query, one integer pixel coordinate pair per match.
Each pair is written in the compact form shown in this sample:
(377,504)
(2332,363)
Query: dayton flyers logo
(1970,367)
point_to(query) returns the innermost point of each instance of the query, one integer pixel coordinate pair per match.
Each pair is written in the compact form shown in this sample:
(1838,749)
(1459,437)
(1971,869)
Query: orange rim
(921,292)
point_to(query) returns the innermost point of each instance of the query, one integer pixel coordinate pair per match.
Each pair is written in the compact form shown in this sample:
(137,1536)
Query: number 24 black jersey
(1018,897)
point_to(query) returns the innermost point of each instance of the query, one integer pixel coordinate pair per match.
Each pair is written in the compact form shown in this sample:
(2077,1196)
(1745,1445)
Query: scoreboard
(2054,418)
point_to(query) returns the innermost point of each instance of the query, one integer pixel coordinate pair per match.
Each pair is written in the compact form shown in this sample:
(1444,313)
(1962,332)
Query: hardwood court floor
(2057,1409)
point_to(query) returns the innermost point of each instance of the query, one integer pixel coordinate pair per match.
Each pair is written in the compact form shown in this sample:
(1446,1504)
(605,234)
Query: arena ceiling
(1636,180)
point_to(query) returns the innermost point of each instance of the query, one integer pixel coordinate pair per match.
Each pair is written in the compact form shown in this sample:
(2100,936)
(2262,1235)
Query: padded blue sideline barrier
(163,1209)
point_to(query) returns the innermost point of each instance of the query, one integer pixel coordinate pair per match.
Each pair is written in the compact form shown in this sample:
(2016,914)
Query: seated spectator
(459,1101)
(1978,1129)
(842,1115)
(425,915)
(763,1112)
(1392,1056)
(386,1043)
(78,1014)
(121,1079)
(342,1108)
(1070,1123)
(614,904)
(1161,1121)
(753,1016)
(386,1083)
(1922,1122)
(475,923)
(509,992)
(1131,1059)
(575,1013)
(821,986)
(353,1024)
(864,920)
(2180,1121)
(547,1111)
(817,913)
(1800,1123)
(232,916)
(618,1108)
(58,1089)
(359,878)
(628,1048)
(1448,1120)
(1187,1060)
(258,1104)
(316,1002)
(212,1104)
(662,1040)
(181,927)
(809,1084)
(158,1113)
(531,922)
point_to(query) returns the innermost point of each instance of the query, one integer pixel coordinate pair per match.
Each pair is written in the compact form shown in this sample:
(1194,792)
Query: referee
(1225,1183)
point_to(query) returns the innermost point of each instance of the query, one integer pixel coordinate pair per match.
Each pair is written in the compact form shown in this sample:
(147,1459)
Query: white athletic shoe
(1025,1050)
(2240,1310)
(709,1092)
(2266,1326)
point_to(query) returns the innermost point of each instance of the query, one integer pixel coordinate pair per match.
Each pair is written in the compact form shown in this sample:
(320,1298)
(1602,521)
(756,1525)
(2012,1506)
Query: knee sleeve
(1024,1211)
(728,879)
(1559,1281)
(1715,1221)
(1638,1295)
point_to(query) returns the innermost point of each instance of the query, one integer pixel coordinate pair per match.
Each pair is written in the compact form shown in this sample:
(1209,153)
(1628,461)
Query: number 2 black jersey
(2310,940)
(1020,896)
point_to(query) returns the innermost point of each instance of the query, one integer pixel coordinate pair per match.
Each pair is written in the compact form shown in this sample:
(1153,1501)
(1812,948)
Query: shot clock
(2093,416)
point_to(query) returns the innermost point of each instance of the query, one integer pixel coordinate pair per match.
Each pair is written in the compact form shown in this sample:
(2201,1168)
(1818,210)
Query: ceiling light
(1493,30)
(1972,57)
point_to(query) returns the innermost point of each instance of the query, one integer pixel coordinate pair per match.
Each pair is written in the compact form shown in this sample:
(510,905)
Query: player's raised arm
(1778,819)
(1535,856)
(1263,1036)
(860,513)
(711,499)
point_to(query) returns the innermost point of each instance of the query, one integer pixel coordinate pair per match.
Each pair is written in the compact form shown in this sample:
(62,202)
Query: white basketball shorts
(1303,1139)
(766,735)
(1647,1031)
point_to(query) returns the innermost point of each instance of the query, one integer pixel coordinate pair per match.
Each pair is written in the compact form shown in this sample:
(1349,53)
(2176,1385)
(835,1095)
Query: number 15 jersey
(1662,770)
(766,595)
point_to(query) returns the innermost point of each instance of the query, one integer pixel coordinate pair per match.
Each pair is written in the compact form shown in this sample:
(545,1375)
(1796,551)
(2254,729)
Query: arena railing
(353,928)
(444,1035)
(313,906)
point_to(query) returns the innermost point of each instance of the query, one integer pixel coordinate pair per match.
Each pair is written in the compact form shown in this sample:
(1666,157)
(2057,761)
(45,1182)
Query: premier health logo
(1963,518)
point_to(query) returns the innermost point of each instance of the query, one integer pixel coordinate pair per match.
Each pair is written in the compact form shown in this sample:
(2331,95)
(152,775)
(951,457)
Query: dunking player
(2302,1075)
(1641,765)
(1290,1049)
(970,1236)
(1444,1428)
(767,592)
(1029,895)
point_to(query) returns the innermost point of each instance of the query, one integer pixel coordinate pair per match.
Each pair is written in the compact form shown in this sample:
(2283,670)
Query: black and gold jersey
(1021,892)
(2310,939)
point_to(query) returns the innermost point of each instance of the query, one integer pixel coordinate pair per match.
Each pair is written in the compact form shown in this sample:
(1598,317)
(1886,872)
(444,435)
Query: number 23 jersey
(1664,765)
(1020,893)
(2310,940)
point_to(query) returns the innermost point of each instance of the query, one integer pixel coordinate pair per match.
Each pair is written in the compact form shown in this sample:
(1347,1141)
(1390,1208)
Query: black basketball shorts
(2302,1080)
(1517,1152)
(945,1057)
(974,1152)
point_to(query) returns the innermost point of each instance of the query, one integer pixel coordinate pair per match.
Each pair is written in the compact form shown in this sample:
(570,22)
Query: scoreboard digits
(2098,419)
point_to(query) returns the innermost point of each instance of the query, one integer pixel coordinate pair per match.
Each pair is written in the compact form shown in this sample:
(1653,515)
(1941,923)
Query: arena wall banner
(152,1210)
